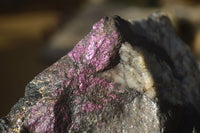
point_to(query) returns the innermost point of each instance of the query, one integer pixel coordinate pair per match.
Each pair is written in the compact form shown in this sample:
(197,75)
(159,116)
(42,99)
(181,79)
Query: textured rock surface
(121,77)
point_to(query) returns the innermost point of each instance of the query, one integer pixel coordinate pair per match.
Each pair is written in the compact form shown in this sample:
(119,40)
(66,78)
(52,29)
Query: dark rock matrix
(123,77)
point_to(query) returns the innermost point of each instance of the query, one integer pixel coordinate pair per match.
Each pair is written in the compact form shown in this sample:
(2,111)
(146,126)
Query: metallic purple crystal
(100,87)
(91,54)
(99,47)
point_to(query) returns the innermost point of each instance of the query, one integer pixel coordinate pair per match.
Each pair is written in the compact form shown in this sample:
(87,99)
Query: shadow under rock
(62,113)
(173,118)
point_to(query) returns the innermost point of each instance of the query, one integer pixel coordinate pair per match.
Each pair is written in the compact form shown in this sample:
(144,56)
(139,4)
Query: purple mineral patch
(91,54)
(98,49)
(99,88)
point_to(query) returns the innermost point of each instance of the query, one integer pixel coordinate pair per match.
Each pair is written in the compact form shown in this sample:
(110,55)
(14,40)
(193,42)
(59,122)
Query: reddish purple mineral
(64,87)
(121,77)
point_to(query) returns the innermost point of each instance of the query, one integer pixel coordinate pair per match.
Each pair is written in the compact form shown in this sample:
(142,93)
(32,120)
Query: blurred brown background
(35,33)
(23,27)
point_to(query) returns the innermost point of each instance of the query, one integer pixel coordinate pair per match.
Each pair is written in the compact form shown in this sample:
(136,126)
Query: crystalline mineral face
(121,77)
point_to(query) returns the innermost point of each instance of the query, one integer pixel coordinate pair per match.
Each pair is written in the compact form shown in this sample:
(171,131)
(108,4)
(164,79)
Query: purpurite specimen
(121,77)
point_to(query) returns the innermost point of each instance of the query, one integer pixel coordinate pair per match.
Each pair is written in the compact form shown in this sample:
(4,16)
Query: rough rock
(135,77)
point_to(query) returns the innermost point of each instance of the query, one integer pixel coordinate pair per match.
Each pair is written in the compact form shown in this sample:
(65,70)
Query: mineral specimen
(135,77)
